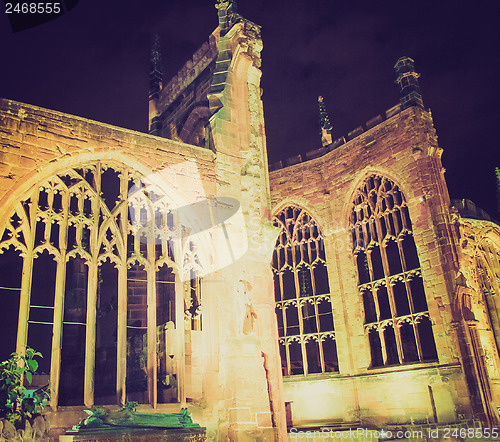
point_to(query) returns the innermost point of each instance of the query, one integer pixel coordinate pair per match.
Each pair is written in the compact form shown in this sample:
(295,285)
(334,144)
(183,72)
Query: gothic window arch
(100,294)
(302,295)
(396,316)
(488,272)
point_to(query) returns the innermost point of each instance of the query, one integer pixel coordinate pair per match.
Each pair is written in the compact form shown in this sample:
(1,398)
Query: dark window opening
(375,349)
(369,306)
(292,321)
(296,363)
(410,353)
(401,299)
(418,295)
(313,357)
(106,335)
(376,262)
(391,346)
(10,291)
(391,249)
(429,351)
(383,303)
(363,270)
(410,253)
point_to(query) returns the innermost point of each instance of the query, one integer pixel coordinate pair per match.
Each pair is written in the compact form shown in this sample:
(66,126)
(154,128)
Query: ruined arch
(114,279)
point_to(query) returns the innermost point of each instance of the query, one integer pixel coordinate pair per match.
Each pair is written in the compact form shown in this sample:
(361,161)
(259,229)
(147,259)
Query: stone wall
(36,431)
(37,142)
(403,148)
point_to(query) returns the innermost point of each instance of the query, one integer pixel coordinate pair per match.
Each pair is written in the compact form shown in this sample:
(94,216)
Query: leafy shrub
(15,403)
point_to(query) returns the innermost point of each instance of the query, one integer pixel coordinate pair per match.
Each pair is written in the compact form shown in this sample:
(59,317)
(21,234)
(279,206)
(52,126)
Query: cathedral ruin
(337,289)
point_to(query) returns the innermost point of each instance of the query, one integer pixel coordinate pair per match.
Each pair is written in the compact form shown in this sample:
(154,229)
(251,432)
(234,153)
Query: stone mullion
(282,292)
(299,309)
(417,339)
(397,334)
(151,319)
(288,363)
(405,216)
(26,280)
(90,336)
(374,288)
(309,261)
(320,343)
(283,311)
(381,336)
(321,355)
(181,345)
(366,236)
(377,223)
(392,303)
(151,310)
(121,346)
(374,292)
(24,303)
(55,367)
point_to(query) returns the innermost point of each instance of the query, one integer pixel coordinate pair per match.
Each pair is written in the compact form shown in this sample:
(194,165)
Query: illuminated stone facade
(173,269)
(395,249)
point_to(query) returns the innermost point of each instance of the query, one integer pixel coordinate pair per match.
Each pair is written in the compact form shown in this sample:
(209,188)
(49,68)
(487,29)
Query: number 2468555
(33,8)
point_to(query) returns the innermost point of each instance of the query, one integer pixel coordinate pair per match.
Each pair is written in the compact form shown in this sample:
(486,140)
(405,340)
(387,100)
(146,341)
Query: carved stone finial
(228,15)
(409,88)
(324,123)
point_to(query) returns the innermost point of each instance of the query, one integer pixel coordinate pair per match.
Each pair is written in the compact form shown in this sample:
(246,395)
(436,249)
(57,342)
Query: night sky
(94,62)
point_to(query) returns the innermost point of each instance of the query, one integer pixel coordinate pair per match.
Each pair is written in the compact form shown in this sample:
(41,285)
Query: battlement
(338,142)
(468,209)
(201,59)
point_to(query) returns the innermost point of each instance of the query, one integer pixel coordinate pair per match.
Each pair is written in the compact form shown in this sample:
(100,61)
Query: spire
(409,89)
(324,124)
(155,74)
(155,85)
(228,15)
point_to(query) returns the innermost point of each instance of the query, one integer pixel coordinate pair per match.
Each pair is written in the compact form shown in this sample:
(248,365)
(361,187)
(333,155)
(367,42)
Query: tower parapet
(407,81)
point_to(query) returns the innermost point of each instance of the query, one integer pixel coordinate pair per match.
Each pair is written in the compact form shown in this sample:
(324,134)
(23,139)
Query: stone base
(136,434)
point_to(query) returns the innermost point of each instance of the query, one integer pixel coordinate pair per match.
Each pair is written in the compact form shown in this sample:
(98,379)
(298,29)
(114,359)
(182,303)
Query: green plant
(17,403)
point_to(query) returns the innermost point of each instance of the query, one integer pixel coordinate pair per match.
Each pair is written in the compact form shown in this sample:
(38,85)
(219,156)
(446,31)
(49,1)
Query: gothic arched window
(302,295)
(90,253)
(397,321)
(488,271)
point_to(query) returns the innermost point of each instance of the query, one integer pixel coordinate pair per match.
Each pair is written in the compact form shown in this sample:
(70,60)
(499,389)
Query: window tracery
(397,319)
(99,293)
(302,294)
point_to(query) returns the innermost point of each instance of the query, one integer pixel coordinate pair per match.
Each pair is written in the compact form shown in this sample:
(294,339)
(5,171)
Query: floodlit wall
(403,150)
